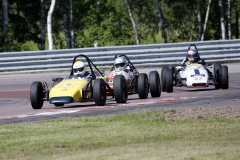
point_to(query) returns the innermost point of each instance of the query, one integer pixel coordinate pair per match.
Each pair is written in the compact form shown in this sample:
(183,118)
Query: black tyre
(99,92)
(36,95)
(120,89)
(217,75)
(169,81)
(143,88)
(155,84)
(163,78)
(224,77)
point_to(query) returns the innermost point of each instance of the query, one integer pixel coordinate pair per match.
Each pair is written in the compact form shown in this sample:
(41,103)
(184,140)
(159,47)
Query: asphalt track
(15,106)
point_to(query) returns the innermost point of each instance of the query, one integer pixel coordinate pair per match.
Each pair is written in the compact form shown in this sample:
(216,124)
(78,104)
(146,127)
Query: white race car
(194,76)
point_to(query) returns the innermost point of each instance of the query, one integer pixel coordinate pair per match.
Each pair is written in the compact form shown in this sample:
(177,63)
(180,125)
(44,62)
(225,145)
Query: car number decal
(68,84)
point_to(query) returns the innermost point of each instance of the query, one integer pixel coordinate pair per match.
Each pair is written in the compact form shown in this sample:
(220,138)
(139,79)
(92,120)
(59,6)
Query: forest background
(88,23)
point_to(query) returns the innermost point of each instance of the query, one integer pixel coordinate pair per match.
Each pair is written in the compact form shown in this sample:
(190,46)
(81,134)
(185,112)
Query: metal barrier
(141,56)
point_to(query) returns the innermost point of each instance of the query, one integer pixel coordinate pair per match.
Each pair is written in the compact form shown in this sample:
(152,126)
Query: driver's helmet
(79,68)
(192,55)
(120,63)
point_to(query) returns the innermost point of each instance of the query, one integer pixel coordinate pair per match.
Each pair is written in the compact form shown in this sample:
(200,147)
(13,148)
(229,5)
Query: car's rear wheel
(36,95)
(163,78)
(143,88)
(224,77)
(155,84)
(169,81)
(99,92)
(217,75)
(120,89)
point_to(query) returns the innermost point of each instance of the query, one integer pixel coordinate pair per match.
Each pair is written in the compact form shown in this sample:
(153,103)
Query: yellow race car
(92,86)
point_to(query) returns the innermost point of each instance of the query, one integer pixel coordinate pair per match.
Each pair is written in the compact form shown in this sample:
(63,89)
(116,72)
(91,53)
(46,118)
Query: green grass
(144,135)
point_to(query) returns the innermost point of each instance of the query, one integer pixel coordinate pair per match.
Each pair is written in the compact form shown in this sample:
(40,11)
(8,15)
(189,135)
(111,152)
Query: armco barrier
(141,55)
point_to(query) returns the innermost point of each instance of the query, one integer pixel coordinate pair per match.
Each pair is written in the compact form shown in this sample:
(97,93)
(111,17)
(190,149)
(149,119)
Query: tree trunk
(133,22)
(43,33)
(237,24)
(162,22)
(222,19)
(229,19)
(71,24)
(65,20)
(49,24)
(206,20)
(199,18)
(5,24)
(98,4)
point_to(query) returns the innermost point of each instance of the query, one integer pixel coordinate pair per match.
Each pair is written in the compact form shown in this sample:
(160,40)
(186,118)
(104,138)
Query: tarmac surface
(15,106)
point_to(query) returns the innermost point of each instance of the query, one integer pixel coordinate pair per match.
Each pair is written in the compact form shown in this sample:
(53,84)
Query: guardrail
(140,55)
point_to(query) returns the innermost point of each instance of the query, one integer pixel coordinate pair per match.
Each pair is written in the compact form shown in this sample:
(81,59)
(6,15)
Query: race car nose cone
(61,100)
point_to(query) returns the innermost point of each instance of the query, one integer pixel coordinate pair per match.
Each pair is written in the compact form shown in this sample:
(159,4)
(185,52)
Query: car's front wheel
(120,89)
(99,92)
(36,95)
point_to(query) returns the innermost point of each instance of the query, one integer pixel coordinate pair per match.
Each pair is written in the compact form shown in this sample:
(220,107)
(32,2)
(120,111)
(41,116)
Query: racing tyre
(143,88)
(155,84)
(169,81)
(99,92)
(120,89)
(36,95)
(163,78)
(217,75)
(224,77)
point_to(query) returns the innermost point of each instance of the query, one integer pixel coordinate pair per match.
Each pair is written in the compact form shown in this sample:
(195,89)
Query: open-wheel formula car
(194,75)
(125,80)
(72,88)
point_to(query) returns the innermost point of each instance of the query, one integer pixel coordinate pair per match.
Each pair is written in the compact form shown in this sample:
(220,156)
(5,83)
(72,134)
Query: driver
(121,67)
(192,57)
(79,71)
(120,64)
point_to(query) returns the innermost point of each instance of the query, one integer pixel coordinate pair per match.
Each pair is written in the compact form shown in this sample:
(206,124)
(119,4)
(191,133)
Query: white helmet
(79,68)
(120,63)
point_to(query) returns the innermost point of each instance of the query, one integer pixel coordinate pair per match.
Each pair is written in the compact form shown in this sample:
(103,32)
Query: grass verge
(143,135)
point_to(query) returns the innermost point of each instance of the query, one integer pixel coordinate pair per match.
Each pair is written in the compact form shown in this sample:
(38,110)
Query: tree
(49,24)
(237,24)
(5,24)
(133,22)
(43,33)
(229,19)
(65,20)
(222,19)
(199,18)
(206,20)
(71,24)
(162,22)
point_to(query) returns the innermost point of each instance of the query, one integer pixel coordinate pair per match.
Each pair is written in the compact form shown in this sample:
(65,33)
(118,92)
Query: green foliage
(107,22)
